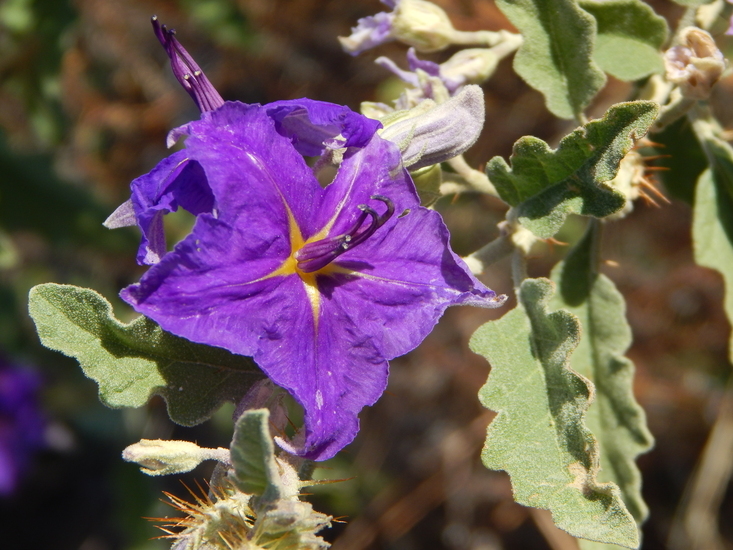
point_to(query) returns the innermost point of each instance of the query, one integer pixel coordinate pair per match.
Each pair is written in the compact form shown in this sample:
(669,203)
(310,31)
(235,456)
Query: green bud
(470,66)
(158,457)
(422,25)
(428,180)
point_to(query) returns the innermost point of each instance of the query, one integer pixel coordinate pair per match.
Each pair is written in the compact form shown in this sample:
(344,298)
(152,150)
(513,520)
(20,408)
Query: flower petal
(376,169)
(369,32)
(174,181)
(402,279)
(251,168)
(314,126)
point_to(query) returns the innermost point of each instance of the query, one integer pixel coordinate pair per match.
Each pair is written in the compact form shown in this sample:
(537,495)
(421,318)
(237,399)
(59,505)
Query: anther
(318,254)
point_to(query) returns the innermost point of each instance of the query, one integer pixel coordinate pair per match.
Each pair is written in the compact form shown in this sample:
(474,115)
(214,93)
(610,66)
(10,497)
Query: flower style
(321,286)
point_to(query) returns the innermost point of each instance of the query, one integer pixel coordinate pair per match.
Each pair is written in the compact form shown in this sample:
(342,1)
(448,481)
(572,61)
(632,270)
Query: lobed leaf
(253,456)
(132,362)
(556,57)
(614,417)
(630,37)
(545,185)
(538,436)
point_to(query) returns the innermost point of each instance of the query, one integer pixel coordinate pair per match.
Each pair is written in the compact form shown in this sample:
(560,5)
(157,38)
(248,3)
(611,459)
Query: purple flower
(21,423)
(320,286)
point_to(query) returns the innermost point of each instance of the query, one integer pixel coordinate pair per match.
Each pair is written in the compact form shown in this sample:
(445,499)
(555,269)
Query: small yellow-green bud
(422,25)
(158,457)
(427,181)
(470,66)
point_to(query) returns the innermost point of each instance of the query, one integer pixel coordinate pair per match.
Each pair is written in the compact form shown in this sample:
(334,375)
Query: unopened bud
(433,133)
(696,64)
(427,181)
(470,66)
(158,457)
(422,25)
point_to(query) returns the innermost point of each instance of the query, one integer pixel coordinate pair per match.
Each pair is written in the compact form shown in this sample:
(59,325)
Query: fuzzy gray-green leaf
(539,436)
(253,458)
(615,418)
(545,185)
(712,233)
(630,37)
(132,362)
(556,57)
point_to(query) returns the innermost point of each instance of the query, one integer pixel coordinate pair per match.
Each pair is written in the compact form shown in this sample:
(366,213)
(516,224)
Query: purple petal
(252,169)
(186,70)
(213,288)
(313,126)
(415,63)
(175,181)
(402,280)
(369,32)
(374,170)
(406,76)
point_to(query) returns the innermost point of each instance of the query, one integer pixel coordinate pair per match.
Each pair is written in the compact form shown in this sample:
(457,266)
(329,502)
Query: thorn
(655,157)
(646,142)
(651,187)
(648,200)
(612,263)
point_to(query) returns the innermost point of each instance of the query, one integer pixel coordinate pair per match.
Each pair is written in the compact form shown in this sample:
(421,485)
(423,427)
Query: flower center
(318,254)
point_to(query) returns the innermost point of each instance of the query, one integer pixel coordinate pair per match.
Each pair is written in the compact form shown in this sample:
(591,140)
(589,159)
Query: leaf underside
(538,436)
(630,37)
(132,362)
(615,418)
(556,57)
(544,185)
(253,458)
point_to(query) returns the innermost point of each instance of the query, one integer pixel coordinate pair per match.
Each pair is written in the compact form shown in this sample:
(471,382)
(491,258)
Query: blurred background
(86,100)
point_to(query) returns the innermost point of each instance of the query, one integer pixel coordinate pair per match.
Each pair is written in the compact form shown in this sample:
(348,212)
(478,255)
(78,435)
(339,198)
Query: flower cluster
(321,286)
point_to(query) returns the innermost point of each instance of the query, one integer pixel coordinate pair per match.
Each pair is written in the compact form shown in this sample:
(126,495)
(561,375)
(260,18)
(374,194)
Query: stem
(678,107)
(219,454)
(478,181)
(485,38)
(519,268)
(489,254)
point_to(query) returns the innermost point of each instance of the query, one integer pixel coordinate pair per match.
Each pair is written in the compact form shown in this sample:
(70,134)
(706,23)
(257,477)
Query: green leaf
(630,37)
(615,418)
(538,436)
(545,185)
(132,362)
(556,56)
(253,456)
(712,233)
